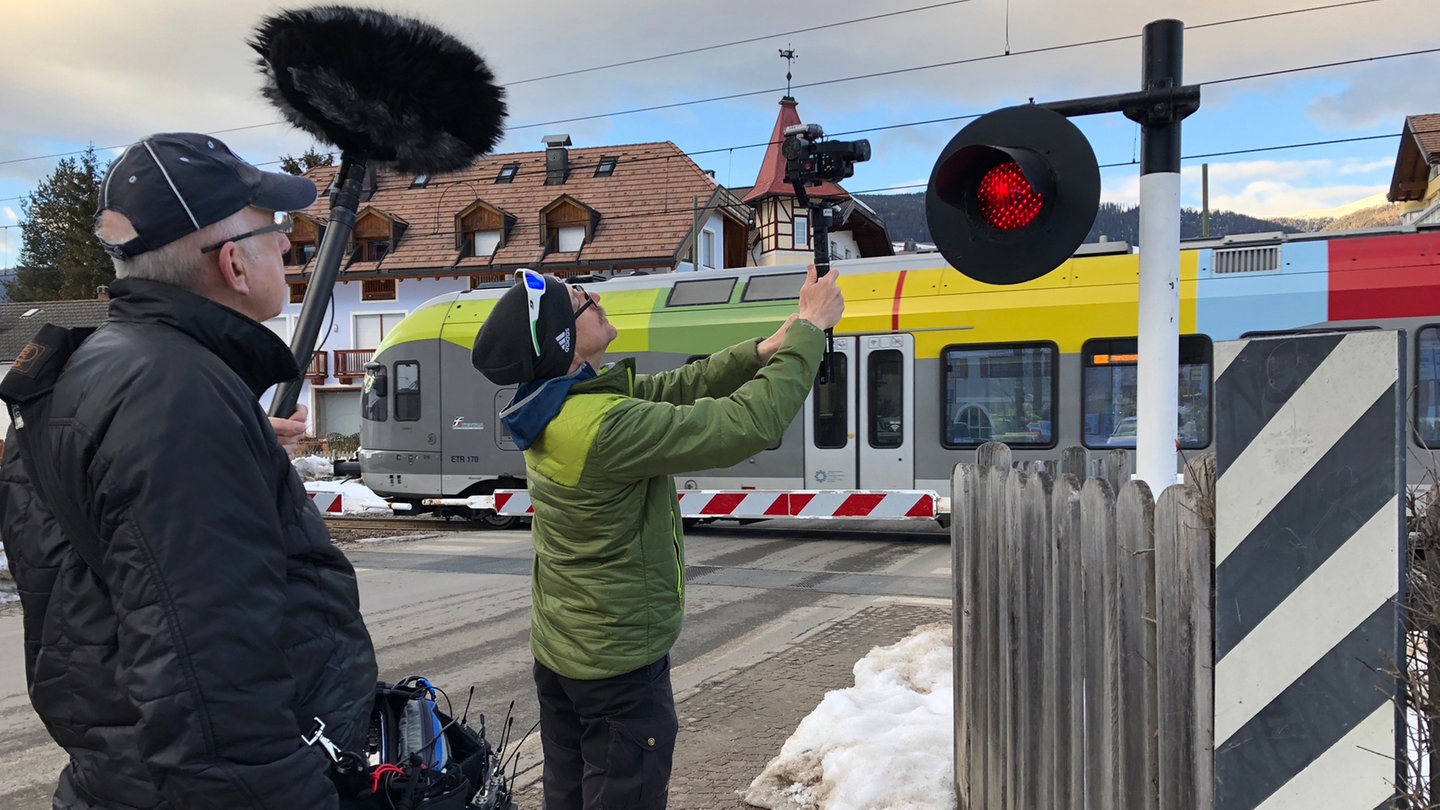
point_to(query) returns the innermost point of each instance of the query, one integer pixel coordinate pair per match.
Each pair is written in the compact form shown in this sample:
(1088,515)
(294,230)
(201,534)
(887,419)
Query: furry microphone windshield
(381,87)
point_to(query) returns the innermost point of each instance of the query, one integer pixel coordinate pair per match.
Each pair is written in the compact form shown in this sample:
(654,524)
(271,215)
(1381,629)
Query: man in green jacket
(602,447)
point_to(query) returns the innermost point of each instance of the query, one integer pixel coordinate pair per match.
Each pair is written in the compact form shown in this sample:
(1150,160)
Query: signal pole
(1158,388)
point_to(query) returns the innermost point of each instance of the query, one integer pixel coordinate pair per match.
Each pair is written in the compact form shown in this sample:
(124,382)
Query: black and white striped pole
(1157,392)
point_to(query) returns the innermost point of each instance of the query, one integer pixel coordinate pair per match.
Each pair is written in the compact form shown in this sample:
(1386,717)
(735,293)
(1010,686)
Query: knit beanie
(504,351)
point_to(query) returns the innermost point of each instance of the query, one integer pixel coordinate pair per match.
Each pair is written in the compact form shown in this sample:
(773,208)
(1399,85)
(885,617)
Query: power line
(952,63)
(689,51)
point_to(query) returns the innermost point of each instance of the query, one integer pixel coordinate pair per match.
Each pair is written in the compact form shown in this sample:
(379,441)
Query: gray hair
(179,263)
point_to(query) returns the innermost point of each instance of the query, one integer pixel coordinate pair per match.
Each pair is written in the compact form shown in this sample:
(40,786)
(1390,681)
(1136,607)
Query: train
(926,365)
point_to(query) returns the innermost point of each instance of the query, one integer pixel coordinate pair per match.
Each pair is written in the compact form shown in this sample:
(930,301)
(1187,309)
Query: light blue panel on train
(1261,289)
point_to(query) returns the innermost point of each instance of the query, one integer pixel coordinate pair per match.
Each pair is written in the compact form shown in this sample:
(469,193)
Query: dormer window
(304,240)
(567,224)
(480,230)
(375,235)
(507,173)
(606,166)
(373,250)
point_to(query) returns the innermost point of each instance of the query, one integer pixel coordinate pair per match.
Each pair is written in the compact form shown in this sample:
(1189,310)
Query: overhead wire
(950,63)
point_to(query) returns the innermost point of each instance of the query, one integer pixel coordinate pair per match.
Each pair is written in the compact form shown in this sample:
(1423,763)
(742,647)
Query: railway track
(396,525)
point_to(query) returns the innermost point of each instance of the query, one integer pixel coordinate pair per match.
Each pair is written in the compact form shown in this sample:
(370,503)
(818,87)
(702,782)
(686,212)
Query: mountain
(904,216)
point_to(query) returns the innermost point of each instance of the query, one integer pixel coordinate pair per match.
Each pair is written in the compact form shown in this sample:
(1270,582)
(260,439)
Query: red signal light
(1006,199)
(1013,195)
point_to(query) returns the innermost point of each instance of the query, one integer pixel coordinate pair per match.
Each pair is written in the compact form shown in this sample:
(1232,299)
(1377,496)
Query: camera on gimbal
(810,161)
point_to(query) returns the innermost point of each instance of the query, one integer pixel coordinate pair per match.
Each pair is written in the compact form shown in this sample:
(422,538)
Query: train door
(860,422)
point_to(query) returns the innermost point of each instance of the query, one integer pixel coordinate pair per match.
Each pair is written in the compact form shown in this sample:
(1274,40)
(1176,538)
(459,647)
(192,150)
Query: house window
(371,329)
(707,249)
(606,166)
(802,232)
(420,181)
(297,292)
(300,253)
(570,238)
(377,289)
(373,250)
(507,173)
(484,243)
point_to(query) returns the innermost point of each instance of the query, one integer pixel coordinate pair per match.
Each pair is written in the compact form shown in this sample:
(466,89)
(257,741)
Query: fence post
(1135,567)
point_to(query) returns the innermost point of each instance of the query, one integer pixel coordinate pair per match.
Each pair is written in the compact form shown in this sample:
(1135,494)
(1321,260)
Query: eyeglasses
(283,224)
(589,300)
(534,291)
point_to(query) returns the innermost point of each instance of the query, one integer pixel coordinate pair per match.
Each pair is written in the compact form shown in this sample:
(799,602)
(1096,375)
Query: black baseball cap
(175,183)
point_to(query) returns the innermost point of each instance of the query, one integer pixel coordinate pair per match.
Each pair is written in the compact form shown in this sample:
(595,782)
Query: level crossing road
(454,608)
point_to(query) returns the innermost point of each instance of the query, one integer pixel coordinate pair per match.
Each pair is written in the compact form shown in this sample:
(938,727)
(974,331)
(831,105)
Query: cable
(971,60)
(735,42)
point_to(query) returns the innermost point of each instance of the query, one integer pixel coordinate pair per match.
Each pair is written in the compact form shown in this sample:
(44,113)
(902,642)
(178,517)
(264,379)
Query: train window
(885,396)
(832,429)
(407,391)
(373,393)
(699,291)
(784,287)
(998,393)
(1110,388)
(1427,386)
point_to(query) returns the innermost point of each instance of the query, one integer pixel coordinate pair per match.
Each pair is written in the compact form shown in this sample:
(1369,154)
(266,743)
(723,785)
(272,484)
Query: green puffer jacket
(609,575)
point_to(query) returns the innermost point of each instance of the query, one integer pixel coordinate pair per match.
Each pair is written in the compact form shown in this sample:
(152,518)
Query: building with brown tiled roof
(1416,181)
(603,211)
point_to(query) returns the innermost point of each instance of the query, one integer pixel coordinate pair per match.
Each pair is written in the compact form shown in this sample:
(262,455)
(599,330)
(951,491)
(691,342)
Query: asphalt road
(455,609)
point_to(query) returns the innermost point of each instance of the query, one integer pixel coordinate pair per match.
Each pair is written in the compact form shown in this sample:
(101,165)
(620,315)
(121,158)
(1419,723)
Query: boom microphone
(382,88)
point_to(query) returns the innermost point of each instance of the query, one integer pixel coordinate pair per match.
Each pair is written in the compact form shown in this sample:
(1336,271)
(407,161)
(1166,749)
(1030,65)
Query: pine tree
(310,159)
(60,258)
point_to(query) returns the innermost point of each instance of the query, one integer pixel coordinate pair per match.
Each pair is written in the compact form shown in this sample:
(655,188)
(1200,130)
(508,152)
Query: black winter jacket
(223,621)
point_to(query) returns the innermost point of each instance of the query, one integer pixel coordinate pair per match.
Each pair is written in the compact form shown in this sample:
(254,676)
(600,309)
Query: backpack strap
(26,390)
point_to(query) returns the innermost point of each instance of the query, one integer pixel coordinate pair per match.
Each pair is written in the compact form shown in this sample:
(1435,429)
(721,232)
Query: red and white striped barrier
(746,504)
(327,502)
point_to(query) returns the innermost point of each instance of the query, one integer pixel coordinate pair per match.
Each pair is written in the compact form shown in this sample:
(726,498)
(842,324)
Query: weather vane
(789,55)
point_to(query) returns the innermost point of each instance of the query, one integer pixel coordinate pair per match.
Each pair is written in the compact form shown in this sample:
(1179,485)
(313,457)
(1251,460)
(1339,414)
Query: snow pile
(884,744)
(355,497)
(314,468)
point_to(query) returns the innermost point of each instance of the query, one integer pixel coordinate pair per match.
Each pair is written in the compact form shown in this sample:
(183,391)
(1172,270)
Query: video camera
(810,161)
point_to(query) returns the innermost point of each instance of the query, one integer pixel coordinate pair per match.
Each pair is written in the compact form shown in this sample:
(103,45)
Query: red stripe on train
(1384,277)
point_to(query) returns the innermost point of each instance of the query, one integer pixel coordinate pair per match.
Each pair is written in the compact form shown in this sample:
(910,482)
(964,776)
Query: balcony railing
(319,368)
(350,363)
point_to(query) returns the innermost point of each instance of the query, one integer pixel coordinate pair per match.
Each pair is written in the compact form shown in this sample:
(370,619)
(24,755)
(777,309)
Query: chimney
(102,293)
(557,159)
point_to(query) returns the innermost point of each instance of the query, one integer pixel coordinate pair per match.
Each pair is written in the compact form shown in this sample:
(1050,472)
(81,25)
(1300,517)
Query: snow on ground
(354,497)
(884,744)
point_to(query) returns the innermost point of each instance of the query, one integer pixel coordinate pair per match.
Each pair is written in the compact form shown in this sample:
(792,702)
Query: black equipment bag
(421,758)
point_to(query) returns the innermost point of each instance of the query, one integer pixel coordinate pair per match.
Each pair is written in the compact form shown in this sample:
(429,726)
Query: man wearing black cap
(601,449)
(187,619)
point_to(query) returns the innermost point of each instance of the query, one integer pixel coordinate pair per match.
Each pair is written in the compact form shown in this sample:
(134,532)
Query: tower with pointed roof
(781,230)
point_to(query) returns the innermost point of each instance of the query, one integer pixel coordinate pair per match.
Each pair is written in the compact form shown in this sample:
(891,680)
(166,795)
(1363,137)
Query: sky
(905,75)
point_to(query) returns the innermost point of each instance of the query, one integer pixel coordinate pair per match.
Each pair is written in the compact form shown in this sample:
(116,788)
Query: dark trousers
(608,744)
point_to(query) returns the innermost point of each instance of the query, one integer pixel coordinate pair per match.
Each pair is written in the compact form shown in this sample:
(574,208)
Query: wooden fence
(1082,659)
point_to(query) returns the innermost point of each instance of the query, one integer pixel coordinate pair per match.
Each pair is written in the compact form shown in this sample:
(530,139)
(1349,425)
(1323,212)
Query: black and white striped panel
(1309,544)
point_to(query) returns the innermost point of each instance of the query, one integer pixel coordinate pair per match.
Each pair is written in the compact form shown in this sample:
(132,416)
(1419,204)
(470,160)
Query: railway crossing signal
(1013,195)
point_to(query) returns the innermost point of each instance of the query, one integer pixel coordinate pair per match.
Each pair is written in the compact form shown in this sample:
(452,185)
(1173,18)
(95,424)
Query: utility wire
(972,60)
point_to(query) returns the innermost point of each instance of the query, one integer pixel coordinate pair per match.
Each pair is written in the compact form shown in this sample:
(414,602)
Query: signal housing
(995,230)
